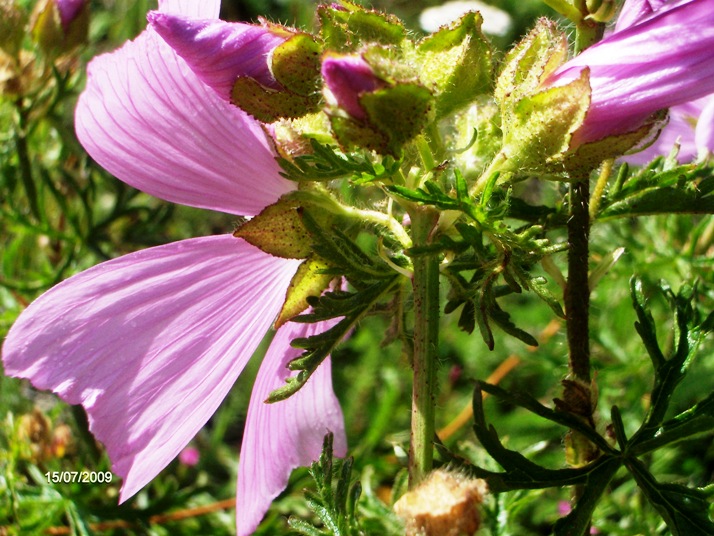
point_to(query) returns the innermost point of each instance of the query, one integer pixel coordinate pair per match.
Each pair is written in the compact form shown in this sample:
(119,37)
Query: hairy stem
(426,341)
(577,292)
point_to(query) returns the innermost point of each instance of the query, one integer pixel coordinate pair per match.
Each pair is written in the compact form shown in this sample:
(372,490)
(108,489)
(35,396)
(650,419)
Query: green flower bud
(58,26)
(456,63)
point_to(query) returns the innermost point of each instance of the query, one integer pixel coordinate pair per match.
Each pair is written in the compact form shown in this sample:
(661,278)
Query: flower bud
(347,78)
(58,26)
(220,52)
(69,11)
(366,111)
(445,504)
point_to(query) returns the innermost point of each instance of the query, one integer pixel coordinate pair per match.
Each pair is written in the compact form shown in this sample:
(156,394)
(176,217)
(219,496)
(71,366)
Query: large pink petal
(150,343)
(282,436)
(147,119)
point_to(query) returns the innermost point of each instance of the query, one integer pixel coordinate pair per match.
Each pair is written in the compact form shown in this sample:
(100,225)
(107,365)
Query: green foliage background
(60,213)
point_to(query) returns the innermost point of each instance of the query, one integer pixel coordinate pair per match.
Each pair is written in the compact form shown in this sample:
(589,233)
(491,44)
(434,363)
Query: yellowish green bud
(59,26)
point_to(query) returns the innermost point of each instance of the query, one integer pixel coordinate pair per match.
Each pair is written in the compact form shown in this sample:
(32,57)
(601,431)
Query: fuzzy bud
(444,504)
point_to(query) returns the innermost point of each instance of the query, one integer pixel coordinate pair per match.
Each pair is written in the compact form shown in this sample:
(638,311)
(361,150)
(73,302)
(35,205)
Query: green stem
(23,156)
(426,342)
(587,32)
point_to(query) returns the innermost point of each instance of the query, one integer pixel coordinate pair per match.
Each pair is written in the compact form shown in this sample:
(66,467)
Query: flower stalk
(426,342)
(577,293)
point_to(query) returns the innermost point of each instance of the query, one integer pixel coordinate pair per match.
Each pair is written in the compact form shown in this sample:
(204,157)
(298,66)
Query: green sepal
(309,280)
(352,307)
(350,28)
(395,115)
(269,105)
(295,64)
(456,63)
(278,230)
(538,133)
(530,62)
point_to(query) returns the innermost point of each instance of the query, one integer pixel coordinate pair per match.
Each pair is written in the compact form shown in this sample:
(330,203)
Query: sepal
(310,280)
(394,116)
(295,64)
(530,62)
(538,133)
(12,28)
(278,231)
(346,27)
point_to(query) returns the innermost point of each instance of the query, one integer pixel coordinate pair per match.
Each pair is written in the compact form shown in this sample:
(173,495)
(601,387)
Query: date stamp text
(83,477)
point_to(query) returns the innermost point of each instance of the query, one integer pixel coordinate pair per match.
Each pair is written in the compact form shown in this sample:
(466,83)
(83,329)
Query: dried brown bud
(446,503)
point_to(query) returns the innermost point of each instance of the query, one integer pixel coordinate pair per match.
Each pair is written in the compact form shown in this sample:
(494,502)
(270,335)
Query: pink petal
(634,11)
(220,52)
(147,119)
(282,436)
(150,343)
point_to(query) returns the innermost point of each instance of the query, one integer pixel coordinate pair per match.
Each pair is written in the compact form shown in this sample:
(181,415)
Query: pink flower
(150,343)
(189,456)
(664,59)
(347,78)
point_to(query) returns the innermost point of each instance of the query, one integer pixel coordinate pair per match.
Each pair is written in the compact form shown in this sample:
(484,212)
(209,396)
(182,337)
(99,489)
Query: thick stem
(577,393)
(426,342)
(577,292)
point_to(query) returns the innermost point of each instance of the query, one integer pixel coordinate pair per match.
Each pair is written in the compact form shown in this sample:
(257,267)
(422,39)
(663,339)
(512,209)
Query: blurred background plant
(60,213)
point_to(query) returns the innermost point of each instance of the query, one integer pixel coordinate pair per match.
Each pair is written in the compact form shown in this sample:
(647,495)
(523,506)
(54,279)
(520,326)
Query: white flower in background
(495,21)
